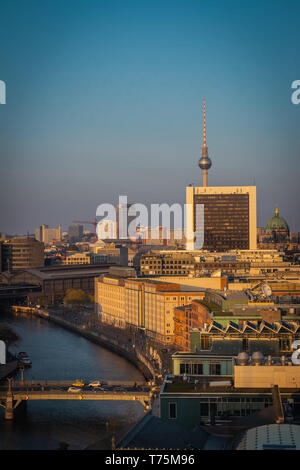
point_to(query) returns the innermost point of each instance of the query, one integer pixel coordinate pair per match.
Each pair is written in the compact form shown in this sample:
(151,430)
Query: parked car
(78,383)
(95,383)
(74,389)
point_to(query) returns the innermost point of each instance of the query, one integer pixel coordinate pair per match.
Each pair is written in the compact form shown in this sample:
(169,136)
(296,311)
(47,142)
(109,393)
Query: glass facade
(226,221)
(192,411)
(223,407)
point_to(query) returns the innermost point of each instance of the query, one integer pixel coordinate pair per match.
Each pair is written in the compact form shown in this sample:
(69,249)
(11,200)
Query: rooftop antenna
(204,124)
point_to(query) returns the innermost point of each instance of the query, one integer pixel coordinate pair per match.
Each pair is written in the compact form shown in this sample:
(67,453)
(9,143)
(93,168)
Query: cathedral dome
(276,223)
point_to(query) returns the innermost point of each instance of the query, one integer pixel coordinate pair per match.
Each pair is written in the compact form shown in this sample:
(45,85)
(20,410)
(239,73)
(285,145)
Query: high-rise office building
(48,235)
(228,219)
(21,253)
(220,218)
(75,232)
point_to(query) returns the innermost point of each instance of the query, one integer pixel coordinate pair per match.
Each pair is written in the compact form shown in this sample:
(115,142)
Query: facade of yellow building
(146,305)
(110,300)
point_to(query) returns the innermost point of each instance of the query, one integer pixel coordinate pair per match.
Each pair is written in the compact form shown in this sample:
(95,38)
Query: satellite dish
(296,354)
(267,291)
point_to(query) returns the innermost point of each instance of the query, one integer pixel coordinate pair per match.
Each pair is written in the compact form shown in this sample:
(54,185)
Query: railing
(68,383)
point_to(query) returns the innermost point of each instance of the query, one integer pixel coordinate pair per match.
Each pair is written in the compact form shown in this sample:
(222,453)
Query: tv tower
(204,162)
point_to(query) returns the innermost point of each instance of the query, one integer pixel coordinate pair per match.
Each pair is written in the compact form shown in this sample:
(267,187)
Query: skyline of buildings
(107,100)
(228,219)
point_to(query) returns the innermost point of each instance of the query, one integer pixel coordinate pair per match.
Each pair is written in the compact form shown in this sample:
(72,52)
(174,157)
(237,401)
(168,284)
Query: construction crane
(88,222)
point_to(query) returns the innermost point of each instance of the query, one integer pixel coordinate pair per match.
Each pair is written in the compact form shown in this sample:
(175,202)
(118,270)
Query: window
(214,368)
(245,344)
(204,409)
(206,342)
(285,344)
(172,410)
(191,369)
(197,369)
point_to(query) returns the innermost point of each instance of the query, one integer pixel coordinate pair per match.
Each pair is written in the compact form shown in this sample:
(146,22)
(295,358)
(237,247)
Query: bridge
(17,291)
(12,396)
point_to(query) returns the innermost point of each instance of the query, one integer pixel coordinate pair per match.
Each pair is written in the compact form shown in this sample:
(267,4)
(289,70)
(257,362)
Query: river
(60,354)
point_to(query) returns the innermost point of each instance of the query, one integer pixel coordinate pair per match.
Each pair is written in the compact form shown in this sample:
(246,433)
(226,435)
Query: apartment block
(146,305)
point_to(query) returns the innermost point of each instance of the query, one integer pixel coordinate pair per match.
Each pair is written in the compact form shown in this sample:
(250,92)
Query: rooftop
(261,327)
(154,433)
(212,385)
(60,272)
(271,437)
(230,295)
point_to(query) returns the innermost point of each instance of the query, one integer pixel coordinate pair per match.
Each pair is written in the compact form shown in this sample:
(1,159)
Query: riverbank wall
(130,353)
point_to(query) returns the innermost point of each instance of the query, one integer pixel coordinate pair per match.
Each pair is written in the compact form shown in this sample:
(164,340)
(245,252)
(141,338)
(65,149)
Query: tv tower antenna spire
(204,162)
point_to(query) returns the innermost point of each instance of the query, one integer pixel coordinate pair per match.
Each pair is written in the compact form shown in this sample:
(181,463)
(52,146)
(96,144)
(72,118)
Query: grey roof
(154,433)
(64,273)
(230,295)
(271,436)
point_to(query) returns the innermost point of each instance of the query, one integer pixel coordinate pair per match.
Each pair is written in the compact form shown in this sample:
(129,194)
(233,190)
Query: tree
(77,297)
(7,334)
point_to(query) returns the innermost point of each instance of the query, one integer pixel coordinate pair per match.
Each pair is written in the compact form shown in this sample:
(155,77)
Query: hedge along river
(58,354)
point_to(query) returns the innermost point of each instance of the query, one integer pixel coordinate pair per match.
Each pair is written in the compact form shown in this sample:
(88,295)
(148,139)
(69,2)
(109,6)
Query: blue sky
(105,98)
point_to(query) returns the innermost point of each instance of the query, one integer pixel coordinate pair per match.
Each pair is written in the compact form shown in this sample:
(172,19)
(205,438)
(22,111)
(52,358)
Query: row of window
(232,406)
(284,343)
(197,368)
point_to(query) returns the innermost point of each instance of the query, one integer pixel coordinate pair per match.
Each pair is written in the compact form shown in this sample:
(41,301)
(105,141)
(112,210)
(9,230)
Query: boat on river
(23,359)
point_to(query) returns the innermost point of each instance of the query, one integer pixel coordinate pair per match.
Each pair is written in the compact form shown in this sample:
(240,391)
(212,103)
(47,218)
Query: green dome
(276,223)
